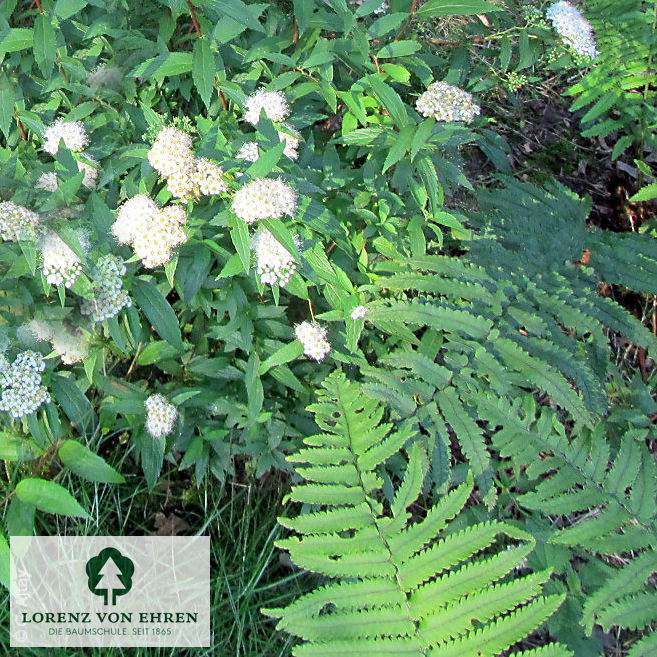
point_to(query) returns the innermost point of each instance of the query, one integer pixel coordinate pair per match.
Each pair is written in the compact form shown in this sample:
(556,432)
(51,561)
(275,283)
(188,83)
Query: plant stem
(192,13)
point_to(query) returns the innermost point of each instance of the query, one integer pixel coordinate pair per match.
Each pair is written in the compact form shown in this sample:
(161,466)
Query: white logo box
(106,591)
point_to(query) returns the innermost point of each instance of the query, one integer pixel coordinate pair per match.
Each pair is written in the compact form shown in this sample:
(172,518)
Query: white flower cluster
(445,102)
(313,338)
(72,133)
(22,391)
(187,176)
(272,102)
(161,415)
(276,109)
(274,263)
(18,222)
(48,181)
(264,198)
(61,265)
(109,296)
(359,312)
(573,28)
(153,232)
(70,346)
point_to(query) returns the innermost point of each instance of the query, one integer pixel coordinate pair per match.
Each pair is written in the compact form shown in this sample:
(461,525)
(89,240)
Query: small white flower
(291,143)
(109,296)
(161,416)
(171,152)
(209,177)
(313,338)
(61,265)
(22,391)
(249,152)
(40,329)
(18,222)
(47,181)
(73,133)
(274,263)
(165,232)
(573,28)
(272,102)
(90,168)
(359,312)
(133,216)
(264,198)
(445,102)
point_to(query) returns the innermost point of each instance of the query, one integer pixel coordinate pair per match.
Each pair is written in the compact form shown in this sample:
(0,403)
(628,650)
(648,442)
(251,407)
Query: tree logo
(110,574)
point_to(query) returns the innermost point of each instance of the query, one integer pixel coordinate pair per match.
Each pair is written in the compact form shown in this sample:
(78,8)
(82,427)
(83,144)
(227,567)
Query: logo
(109,574)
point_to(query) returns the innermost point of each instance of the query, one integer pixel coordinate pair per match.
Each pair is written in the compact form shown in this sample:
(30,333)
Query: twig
(224,102)
(21,127)
(192,13)
(408,21)
(295,35)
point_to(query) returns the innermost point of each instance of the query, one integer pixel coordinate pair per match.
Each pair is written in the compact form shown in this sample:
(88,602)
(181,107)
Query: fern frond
(400,586)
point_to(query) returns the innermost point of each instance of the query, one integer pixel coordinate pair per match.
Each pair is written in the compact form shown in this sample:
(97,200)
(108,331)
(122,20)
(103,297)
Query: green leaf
(239,12)
(455,8)
(16,448)
(398,49)
(203,70)
(646,193)
(239,234)
(7,100)
(166,65)
(158,311)
(86,464)
(390,100)
(45,44)
(288,352)
(49,497)
(67,8)
(77,407)
(15,38)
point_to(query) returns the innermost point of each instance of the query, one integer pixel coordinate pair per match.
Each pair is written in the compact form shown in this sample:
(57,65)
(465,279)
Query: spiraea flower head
(264,198)
(313,338)
(208,177)
(359,312)
(171,152)
(272,102)
(71,346)
(72,133)
(18,222)
(291,143)
(165,232)
(61,265)
(274,263)
(21,383)
(40,330)
(249,152)
(573,28)
(445,102)
(161,416)
(109,296)
(104,76)
(47,181)
(133,216)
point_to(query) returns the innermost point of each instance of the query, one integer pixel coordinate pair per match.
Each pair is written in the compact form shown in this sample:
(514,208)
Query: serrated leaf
(44,44)
(158,311)
(203,70)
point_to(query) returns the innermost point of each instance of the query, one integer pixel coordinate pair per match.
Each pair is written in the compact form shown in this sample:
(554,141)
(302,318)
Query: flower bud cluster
(187,176)
(18,222)
(573,28)
(61,265)
(109,296)
(274,263)
(161,416)
(313,338)
(359,312)
(445,102)
(264,198)
(21,383)
(153,232)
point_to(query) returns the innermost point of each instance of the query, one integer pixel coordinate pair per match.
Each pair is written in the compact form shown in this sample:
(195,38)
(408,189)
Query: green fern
(398,586)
